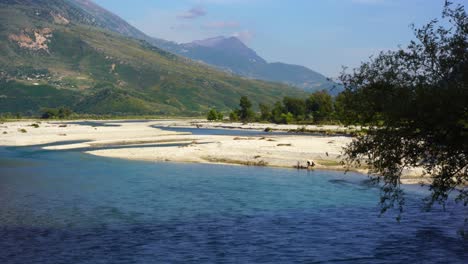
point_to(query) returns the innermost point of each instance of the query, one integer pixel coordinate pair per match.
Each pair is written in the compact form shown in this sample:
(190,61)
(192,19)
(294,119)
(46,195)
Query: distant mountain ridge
(226,53)
(73,53)
(226,44)
(231,54)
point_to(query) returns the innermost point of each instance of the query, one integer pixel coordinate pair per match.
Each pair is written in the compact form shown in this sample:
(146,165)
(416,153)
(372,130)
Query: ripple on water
(75,208)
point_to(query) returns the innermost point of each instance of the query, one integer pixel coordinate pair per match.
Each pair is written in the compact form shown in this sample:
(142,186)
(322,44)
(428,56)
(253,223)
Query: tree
(234,116)
(265,112)
(212,115)
(287,118)
(245,113)
(49,113)
(295,106)
(276,112)
(220,116)
(320,105)
(61,113)
(414,102)
(339,107)
(64,112)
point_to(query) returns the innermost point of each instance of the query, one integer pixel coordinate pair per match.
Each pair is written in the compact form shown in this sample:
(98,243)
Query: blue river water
(70,207)
(225,132)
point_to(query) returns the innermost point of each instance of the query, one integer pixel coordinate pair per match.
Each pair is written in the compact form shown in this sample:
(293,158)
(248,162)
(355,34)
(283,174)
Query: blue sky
(323,35)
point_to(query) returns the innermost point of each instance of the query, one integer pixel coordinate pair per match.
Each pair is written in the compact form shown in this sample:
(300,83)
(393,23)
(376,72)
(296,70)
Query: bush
(246,114)
(220,116)
(56,113)
(233,116)
(49,113)
(287,118)
(214,115)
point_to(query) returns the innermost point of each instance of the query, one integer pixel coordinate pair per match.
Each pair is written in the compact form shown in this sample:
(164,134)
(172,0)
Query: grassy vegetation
(329,163)
(259,163)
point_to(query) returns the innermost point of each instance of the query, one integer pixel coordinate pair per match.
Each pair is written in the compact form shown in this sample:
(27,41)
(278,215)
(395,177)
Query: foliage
(49,113)
(246,113)
(339,107)
(265,112)
(64,112)
(318,108)
(16,97)
(320,105)
(56,113)
(414,101)
(276,112)
(295,106)
(214,115)
(234,116)
(287,118)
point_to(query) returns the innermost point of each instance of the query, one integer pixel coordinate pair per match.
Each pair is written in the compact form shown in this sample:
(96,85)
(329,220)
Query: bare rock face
(35,40)
(59,19)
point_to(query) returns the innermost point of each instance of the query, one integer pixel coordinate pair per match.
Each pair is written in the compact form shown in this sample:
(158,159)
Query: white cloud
(192,13)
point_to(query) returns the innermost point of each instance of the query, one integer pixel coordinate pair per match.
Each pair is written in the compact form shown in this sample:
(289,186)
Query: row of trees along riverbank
(320,107)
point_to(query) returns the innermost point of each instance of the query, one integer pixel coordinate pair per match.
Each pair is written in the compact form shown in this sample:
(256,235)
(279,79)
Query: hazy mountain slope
(230,54)
(50,55)
(226,53)
(102,18)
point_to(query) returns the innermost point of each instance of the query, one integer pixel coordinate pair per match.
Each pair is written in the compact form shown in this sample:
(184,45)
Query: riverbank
(141,141)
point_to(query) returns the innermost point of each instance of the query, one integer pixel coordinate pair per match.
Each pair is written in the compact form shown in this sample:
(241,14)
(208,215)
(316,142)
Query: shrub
(233,116)
(214,115)
(287,118)
(56,113)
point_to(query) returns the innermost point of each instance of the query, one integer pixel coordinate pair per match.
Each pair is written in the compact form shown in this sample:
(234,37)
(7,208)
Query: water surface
(69,207)
(220,131)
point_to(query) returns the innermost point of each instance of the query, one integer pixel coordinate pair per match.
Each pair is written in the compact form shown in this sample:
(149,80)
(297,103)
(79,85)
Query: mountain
(102,18)
(225,46)
(226,53)
(74,53)
(230,54)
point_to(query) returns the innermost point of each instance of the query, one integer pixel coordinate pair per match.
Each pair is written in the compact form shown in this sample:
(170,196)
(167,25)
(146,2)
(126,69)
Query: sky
(323,35)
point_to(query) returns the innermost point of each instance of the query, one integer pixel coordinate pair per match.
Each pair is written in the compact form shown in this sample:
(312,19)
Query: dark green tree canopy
(246,113)
(213,115)
(295,106)
(320,105)
(415,103)
(245,103)
(265,112)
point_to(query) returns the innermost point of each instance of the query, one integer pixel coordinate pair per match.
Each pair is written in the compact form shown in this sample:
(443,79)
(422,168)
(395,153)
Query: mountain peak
(116,74)
(216,41)
(227,45)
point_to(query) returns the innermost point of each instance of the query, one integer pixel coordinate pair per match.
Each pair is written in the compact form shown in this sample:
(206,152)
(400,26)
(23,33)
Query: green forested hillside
(51,55)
